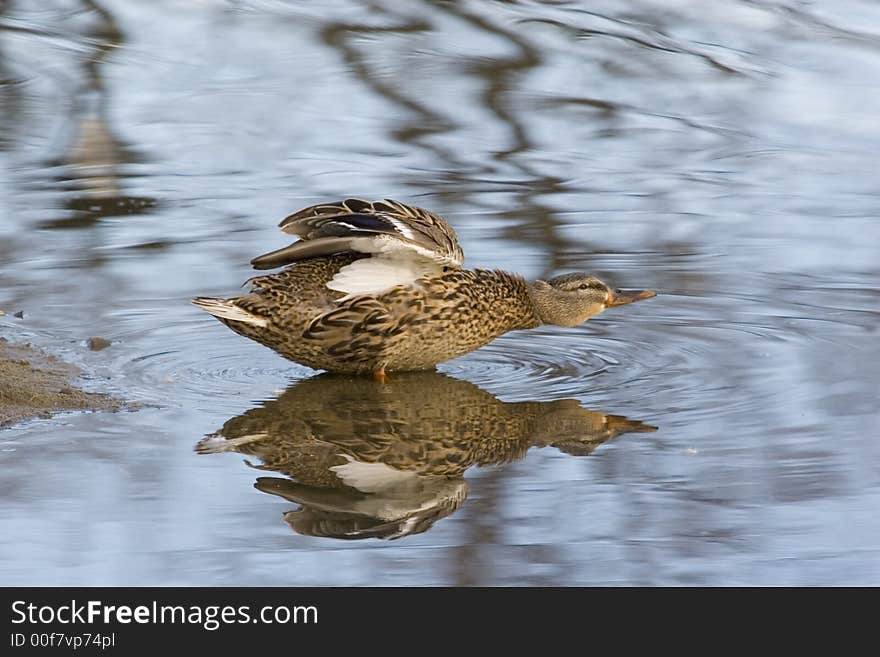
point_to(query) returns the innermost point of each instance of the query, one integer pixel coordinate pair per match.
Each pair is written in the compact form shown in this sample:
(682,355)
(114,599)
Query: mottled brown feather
(418,317)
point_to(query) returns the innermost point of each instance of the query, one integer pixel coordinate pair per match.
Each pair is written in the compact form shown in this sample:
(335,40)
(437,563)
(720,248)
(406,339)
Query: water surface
(722,154)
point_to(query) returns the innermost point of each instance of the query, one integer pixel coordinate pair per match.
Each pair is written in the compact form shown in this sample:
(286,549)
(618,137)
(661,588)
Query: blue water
(723,154)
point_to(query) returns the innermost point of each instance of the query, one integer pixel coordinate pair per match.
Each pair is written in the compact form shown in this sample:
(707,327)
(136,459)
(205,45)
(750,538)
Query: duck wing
(369,227)
(404,243)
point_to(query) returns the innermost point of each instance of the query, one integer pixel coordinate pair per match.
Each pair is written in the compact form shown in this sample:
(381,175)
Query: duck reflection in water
(384,460)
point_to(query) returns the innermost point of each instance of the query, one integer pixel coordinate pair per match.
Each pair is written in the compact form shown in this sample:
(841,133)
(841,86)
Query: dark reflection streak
(500,75)
(674,47)
(10,95)
(540,224)
(105,40)
(24,29)
(427,121)
(798,15)
(94,153)
(110,37)
(611,108)
(454,173)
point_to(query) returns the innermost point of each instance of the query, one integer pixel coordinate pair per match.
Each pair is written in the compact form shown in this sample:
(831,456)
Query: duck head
(570,299)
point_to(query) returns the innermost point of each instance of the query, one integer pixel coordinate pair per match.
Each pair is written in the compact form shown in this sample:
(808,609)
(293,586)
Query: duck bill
(623,297)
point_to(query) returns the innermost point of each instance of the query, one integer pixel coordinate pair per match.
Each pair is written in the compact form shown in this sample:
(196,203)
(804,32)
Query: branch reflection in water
(365,459)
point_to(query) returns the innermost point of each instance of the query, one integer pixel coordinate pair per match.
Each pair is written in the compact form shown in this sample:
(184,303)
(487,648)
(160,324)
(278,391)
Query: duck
(387,461)
(371,287)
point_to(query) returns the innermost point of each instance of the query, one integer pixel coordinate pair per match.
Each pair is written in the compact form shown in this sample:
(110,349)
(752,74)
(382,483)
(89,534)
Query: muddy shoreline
(38,385)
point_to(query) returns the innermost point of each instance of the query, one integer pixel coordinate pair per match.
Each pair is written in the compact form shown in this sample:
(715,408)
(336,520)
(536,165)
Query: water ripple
(553,363)
(204,367)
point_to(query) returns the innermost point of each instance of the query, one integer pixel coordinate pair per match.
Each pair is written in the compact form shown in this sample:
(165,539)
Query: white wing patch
(371,477)
(377,274)
(215,443)
(226,310)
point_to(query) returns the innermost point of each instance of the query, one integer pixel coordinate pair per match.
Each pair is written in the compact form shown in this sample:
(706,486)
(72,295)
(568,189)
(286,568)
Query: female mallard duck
(376,286)
(388,461)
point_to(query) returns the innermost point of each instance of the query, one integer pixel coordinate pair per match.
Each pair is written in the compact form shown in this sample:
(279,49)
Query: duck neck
(524,312)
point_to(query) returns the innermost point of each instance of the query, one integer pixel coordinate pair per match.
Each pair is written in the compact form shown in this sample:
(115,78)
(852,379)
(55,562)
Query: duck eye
(583,286)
